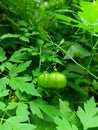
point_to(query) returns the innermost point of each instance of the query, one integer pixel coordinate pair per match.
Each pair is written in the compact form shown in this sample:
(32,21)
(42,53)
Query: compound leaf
(2,55)
(63,124)
(48,109)
(19,68)
(19,56)
(22,109)
(21,84)
(88,116)
(36,110)
(17,123)
(2,106)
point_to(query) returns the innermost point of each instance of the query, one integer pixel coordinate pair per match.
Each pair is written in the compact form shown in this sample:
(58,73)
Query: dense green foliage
(39,36)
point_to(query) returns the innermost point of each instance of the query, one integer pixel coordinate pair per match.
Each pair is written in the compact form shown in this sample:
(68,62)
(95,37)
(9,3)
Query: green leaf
(18,82)
(65,18)
(22,84)
(74,127)
(63,124)
(19,56)
(2,67)
(24,38)
(2,55)
(6,126)
(26,126)
(17,119)
(95,84)
(17,123)
(9,35)
(4,93)
(22,110)
(89,12)
(48,109)
(36,110)
(36,72)
(88,16)
(20,68)
(2,106)
(88,116)
(1,127)
(68,113)
(54,59)
(3,82)
(30,89)
(11,106)
(5,65)
(8,65)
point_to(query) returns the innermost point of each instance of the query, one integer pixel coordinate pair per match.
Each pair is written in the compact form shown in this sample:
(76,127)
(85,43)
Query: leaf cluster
(38,36)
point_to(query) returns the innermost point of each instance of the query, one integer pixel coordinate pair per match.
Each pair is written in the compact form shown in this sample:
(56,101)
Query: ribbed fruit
(53,80)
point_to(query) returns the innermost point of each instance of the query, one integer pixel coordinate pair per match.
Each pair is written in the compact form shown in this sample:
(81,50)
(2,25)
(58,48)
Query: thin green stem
(2,118)
(95,45)
(90,60)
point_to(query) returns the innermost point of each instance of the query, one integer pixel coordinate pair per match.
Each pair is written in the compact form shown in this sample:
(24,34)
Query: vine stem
(76,61)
